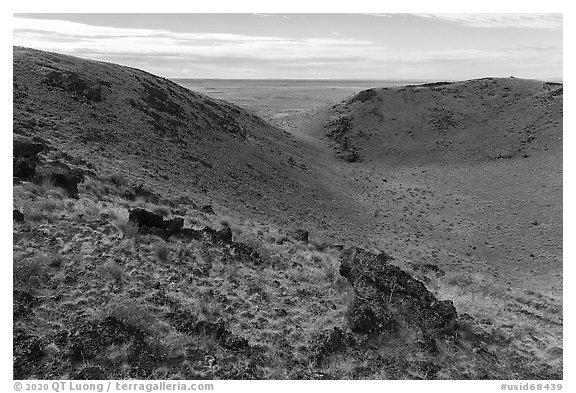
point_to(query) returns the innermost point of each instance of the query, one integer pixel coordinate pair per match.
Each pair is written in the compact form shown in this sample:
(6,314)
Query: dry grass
(115,271)
(161,251)
(283,304)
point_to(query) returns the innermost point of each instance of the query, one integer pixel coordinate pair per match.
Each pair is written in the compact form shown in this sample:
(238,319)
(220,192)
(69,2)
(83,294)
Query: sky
(306,46)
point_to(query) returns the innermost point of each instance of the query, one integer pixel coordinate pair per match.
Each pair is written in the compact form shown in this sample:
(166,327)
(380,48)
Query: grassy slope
(95,300)
(81,272)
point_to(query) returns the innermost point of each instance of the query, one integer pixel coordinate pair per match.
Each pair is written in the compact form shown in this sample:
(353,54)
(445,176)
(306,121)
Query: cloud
(531,21)
(172,53)
(74,37)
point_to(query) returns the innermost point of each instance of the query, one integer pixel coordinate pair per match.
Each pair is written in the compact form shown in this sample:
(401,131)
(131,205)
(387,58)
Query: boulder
(27,149)
(150,223)
(62,176)
(25,157)
(389,299)
(17,216)
(142,217)
(24,168)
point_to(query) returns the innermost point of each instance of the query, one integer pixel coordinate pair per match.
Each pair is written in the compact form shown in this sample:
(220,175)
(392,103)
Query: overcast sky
(343,46)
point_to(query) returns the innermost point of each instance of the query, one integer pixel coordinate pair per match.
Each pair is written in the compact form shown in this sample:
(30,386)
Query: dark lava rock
(189,234)
(162,233)
(174,225)
(389,299)
(207,209)
(27,149)
(144,217)
(300,235)
(223,235)
(62,176)
(154,224)
(17,216)
(24,168)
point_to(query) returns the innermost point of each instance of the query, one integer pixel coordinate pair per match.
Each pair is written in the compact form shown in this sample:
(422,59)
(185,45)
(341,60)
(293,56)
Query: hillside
(149,244)
(161,136)
(470,121)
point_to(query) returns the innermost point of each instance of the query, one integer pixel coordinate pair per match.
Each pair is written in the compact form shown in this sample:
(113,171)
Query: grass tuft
(161,252)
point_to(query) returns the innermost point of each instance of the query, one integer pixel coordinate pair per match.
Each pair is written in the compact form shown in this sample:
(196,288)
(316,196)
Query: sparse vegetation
(224,289)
